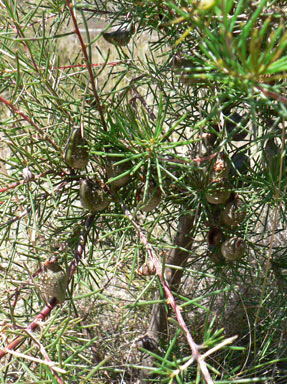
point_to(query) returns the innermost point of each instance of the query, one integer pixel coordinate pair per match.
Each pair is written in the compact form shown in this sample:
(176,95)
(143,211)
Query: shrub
(143,174)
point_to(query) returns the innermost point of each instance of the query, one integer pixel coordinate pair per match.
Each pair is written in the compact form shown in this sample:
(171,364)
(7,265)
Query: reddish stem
(53,302)
(271,94)
(84,50)
(170,299)
(35,323)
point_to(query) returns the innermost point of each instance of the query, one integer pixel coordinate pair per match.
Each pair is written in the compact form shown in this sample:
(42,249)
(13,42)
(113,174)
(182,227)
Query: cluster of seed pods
(93,196)
(228,207)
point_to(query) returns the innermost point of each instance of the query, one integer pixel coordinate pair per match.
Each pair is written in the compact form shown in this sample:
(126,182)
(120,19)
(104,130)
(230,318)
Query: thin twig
(143,102)
(37,69)
(81,246)
(183,161)
(183,367)
(27,48)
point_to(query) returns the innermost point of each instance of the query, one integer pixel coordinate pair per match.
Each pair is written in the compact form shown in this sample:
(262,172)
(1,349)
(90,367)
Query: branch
(271,94)
(53,302)
(170,299)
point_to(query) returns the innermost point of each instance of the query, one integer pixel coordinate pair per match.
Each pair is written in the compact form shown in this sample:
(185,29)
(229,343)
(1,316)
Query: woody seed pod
(152,198)
(76,151)
(234,213)
(120,35)
(92,196)
(148,343)
(233,249)
(218,192)
(114,170)
(53,281)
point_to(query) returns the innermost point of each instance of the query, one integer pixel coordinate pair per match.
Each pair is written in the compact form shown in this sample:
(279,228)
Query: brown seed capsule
(113,170)
(53,281)
(76,151)
(218,192)
(233,249)
(152,198)
(92,196)
(147,269)
(234,213)
(120,35)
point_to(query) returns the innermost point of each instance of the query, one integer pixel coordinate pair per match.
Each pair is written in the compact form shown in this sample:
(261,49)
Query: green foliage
(156,110)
